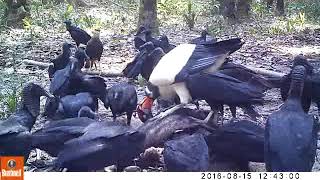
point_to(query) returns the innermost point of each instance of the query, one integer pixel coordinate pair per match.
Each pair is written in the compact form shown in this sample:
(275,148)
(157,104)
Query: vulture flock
(192,138)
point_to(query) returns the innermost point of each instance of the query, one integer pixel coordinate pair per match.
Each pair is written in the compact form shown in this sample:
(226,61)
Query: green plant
(310,7)
(302,19)
(29,26)
(68,13)
(3,9)
(141,81)
(259,9)
(190,16)
(216,26)
(171,7)
(9,100)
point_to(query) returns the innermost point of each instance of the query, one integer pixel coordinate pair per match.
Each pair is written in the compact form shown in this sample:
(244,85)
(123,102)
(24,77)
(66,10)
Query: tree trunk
(280,8)
(228,9)
(243,8)
(16,11)
(269,3)
(148,15)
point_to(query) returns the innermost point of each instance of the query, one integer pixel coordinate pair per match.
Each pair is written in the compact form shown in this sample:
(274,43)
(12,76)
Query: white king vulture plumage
(169,75)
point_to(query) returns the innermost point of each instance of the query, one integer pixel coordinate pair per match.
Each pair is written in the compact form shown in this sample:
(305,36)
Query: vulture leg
(318,104)
(95,64)
(206,120)
(196,102)
(114,116)
(99,64)
(249,109)
(183,93)
(213,117)
(129,116)
(233,110)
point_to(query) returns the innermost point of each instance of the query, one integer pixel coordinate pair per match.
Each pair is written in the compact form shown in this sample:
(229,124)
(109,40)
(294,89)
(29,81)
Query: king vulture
(169,75)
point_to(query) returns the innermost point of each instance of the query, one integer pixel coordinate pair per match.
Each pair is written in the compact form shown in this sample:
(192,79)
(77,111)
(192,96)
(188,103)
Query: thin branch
(46,65)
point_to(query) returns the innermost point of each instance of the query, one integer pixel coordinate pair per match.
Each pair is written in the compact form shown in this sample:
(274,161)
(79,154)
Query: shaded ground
(270,52)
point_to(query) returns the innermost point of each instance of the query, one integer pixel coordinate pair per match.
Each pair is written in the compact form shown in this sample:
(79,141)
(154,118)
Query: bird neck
(68,26)
(295,92)
(25,118)
(66,52)
(96,35)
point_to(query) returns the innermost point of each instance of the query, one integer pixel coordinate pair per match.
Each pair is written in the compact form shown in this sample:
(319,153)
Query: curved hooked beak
(144,109)
(148,92)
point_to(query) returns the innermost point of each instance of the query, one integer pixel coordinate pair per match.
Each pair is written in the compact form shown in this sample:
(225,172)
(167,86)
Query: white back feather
(171,64)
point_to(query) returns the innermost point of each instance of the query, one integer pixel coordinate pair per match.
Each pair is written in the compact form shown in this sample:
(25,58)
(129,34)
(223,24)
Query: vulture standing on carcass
(218,89)
(170,75)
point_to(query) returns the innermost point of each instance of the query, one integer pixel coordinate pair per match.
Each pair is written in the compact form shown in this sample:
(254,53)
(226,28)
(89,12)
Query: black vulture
(204,38)
(134,68)
(290,133)
(103,144)
(241,141)
(307,91)
(169,76)
(244,75)
(122,98)
(15,139)
(165,45)
(54,134)
(60,83)
(144,62)
(94,49)
(149,38)
(162,41)
(218,89)
(70,81)
(139,37)
(61,61)
(315,82)
(95,85)
(78,35)
(81,56)
(69,106)
(186,153)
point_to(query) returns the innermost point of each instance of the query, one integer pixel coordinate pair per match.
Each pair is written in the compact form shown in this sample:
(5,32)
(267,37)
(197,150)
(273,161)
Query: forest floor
(261,50)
